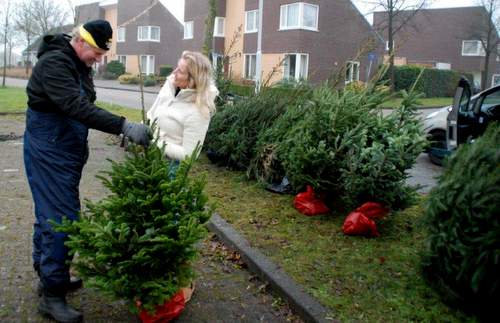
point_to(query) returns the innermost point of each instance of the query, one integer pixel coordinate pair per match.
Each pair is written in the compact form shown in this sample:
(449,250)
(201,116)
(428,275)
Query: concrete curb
(303,304)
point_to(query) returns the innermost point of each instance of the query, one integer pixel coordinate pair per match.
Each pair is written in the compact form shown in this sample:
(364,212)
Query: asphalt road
(125,98)
(424,173)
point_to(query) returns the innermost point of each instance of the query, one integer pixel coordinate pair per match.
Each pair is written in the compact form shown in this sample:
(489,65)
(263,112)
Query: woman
(184,106)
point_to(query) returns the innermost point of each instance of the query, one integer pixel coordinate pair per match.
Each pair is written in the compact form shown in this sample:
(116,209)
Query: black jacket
(55,83)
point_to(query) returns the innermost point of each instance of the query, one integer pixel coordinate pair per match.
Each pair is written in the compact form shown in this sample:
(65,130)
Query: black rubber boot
(55,306)
(74,284)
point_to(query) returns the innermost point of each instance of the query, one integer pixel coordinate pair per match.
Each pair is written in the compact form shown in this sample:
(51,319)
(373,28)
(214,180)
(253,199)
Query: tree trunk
(390,42)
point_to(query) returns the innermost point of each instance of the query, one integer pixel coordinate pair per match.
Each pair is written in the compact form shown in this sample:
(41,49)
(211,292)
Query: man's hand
(138,133)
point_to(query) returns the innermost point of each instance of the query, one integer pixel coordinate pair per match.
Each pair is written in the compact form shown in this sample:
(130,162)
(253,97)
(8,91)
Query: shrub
(234,129)
(128,79)
(116,68)
(462,259)
(150,80)
(165,70)
(109,76)
(433,82)
(339,142)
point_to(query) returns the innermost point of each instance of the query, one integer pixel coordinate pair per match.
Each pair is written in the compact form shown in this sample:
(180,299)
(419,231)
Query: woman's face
(181,74)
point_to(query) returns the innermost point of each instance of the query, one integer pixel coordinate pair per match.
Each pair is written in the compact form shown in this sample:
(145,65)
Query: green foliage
(462,259)
(114,69)
(129,79)
(138,243)
(150,80)
(233,130)
(433,82)
(165,70)
(339,142)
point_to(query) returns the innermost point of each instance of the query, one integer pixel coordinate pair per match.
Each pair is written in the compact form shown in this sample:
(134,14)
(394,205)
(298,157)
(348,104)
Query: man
(60,111)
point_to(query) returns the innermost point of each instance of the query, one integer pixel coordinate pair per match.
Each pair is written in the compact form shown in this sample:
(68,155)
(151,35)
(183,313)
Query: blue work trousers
(55,151)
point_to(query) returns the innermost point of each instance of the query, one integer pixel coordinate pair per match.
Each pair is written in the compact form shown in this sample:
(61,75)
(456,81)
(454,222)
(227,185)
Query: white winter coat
(180,123)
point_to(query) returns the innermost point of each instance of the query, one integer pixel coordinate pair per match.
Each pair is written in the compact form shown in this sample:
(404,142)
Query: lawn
(357,279)
(424,102)
(14,100)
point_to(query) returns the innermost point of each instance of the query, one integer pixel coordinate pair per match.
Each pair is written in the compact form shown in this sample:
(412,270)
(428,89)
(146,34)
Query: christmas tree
(138,243)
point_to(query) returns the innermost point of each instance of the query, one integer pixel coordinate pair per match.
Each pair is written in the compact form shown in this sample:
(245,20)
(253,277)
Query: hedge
(433,83)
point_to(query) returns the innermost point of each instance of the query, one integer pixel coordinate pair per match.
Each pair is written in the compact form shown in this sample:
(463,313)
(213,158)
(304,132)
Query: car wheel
(437,142)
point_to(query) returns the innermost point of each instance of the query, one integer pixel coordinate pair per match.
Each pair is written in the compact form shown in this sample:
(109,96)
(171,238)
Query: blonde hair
(201,80)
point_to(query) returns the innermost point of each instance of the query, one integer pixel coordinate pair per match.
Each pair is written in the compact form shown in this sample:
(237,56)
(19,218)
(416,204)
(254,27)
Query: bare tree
(399,14)
(49,15)
(24,20)
(487,33)
(209,29)
(74,12)
(5,32)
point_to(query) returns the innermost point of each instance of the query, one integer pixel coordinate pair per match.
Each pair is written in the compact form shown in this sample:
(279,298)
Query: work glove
(138,133)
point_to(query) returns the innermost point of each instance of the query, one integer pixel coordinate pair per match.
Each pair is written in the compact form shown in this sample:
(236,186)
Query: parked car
(473,114)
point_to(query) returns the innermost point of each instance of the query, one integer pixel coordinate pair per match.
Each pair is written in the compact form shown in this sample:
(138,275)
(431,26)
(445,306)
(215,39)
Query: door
(460,106)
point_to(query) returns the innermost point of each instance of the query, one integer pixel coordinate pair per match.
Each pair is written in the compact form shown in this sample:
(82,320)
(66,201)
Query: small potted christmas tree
(138,243)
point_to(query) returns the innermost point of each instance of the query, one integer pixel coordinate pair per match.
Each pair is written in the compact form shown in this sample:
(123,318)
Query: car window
(490,100)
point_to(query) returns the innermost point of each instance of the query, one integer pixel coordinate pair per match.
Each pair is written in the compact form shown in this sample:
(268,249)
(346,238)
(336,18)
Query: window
(472,48)
(251,21)
(121,35)
(352,72)
(299,15)
(188,30)
(148,33)
(387,44)
(147,64)
(250,62)
(219,27)
(122,59)
(217,60)
(495,80)
(296,66)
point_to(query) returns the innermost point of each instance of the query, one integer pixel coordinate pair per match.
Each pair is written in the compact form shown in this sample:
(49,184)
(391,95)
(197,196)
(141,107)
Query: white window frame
(284,14)
(188,31)
(298,66)
(122,59)
(478,52)
(150,64)
(246,57)
(352,77)
(387,44)
(255,21)
(215,58)
(149,33)
(493,79)
(120,35)
(219,33)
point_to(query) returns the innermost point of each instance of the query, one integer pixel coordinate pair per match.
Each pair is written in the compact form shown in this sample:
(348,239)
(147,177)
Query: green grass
(425,102)
(356,278)
(14,100)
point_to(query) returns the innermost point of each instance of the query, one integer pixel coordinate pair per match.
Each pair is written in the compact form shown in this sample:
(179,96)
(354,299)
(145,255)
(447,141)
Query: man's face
(88,54)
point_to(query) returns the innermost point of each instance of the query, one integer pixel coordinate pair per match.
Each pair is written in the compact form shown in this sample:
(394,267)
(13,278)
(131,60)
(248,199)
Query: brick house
(446,38)
(312,39)
(143,30)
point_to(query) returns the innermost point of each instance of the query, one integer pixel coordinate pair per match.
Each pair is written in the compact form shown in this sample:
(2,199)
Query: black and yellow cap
(97,33)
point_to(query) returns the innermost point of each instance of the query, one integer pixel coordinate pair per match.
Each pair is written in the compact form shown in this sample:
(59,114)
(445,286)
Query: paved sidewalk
(224,293)
(114,84)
